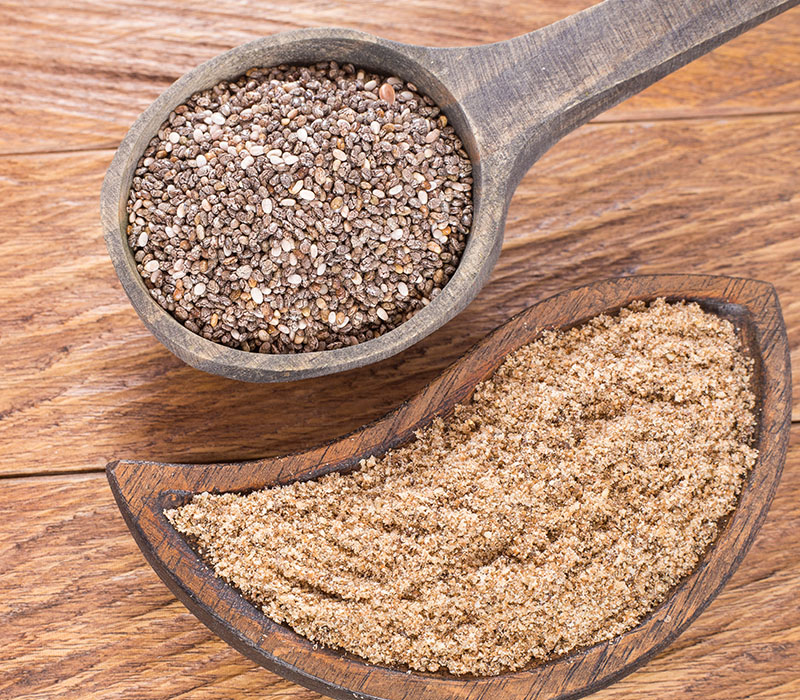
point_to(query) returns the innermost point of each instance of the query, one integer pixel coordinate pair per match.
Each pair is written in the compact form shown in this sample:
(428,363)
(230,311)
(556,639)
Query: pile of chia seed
(300,208)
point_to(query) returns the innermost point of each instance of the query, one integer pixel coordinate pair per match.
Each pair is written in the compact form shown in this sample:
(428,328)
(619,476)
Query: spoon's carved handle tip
(524,94)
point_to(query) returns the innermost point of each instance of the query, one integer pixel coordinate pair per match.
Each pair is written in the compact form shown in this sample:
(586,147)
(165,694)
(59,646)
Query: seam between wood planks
(61,151)
(53,472)
(101,470)
(596,122)
(600,121)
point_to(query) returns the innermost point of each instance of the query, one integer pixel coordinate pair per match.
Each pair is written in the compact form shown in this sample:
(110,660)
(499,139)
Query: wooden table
(700,173)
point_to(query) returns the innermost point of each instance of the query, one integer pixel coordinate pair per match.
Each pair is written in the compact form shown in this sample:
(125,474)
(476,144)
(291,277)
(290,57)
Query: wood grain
(708,184)
(712,196)
(83,615)
(97,65)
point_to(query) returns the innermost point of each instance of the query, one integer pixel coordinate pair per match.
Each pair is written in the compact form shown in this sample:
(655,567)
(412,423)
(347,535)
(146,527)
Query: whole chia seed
(553,511)
(300,208)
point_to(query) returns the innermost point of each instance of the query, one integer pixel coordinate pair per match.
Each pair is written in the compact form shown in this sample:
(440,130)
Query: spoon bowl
(144,489)
(509,102)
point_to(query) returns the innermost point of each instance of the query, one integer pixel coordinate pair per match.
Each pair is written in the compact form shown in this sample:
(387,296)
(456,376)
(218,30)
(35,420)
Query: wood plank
(84,377)
(82,71)
(681,189)
(84,617)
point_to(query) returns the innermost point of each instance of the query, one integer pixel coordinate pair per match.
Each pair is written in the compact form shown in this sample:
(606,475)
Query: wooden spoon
(509,102)
(144,489)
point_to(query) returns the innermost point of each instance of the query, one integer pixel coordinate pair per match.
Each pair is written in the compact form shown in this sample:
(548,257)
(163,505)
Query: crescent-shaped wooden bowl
(144,489)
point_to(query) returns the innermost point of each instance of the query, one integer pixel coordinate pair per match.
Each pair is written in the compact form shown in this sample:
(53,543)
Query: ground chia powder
(580,484)
(300,208)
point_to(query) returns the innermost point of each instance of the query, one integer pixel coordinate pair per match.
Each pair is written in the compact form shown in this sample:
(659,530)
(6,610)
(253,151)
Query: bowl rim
(143,489)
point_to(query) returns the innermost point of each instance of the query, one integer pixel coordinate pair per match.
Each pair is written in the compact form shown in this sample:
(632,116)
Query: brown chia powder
(558,507)
(300,208)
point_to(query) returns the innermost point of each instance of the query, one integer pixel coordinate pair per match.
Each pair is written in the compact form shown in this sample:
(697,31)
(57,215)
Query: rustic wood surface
(697,174)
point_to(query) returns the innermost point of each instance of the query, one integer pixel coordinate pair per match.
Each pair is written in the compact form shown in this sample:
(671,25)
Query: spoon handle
(524,94)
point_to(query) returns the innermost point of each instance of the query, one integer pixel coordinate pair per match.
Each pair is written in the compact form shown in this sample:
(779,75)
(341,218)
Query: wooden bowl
(144,489)
(508,101)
